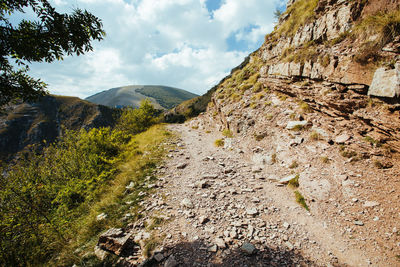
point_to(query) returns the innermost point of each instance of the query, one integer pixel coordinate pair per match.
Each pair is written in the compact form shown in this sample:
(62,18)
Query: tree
(49,38)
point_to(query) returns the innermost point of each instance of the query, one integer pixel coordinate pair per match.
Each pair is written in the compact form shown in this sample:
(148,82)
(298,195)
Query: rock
(181,166)
(201,184)
(359,223)
(286,179)
(130,186)
(213,248)
(370,204)
(256,169)
(158,257)
(252,211)
(259,159)
(187,203)
(115,240)
(101,216)
(286,225)
(248,248)
(386,83)
(203,219)
(100,254)
(220,243)
(170,262)
(296,124)
(289,245)
(340,139)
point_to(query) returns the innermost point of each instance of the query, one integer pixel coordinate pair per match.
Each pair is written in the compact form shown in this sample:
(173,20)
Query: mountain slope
(32,123)
(163,97)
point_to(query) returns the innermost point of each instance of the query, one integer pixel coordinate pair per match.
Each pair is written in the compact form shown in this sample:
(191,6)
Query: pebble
(248,248)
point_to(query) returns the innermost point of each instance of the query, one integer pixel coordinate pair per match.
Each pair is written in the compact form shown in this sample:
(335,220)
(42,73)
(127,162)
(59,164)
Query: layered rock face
(331,61)
(323,92)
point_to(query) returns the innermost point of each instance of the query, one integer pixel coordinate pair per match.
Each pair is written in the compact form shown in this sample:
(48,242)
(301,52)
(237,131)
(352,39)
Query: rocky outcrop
(31,123)
(386,82)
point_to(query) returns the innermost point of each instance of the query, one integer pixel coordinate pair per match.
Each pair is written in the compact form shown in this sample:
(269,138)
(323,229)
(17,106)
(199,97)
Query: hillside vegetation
(50,201)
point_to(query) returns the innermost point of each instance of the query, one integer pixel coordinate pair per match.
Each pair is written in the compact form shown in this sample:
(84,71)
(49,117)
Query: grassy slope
(141,157)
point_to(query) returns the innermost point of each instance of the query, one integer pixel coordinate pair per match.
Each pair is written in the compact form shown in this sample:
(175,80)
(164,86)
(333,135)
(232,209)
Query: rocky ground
(232,206)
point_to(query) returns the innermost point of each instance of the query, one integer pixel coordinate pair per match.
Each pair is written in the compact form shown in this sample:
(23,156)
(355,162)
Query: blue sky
(189,44)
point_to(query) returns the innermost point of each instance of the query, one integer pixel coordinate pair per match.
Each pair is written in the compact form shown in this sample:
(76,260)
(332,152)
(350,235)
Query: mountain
(163,97)
(25,124)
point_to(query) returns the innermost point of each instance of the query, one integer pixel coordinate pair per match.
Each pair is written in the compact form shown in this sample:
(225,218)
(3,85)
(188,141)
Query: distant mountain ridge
(163,97)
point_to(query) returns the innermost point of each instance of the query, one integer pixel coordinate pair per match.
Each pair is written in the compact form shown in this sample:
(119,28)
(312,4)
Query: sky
(188,44)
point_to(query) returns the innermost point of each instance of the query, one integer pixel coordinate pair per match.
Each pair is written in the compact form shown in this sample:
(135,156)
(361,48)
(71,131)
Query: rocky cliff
(320,98)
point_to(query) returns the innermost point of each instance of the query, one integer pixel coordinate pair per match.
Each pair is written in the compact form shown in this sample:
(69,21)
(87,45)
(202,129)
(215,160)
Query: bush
(44,197)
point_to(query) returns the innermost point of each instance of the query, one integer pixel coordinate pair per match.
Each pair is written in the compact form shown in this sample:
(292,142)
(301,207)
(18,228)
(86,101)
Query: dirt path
(221,206)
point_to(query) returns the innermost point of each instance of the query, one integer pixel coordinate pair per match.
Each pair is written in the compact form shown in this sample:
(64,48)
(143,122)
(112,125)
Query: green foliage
(295,181)
(301,200)
(137,120)
(45,197)
(49,38)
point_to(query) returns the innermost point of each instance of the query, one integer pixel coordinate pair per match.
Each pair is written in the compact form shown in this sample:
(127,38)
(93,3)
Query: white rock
(101,216)
(293,124)
(386,83)
(340,139)
(252,211)
(286,179)
(187,203)
(370,204)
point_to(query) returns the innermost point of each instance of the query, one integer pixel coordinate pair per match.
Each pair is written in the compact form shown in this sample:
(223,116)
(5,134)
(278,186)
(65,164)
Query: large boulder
(386,83)
(116,241)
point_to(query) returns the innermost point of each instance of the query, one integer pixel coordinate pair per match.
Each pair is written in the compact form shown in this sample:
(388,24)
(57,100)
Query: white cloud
(169,42)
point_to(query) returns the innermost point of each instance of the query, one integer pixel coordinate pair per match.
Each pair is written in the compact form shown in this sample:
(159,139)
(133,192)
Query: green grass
(385,26)
(219,142)
(301,200)
(372,141)
(227,133)
(295,181)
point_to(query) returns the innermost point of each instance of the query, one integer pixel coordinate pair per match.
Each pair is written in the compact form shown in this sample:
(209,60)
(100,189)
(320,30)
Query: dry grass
(300,13)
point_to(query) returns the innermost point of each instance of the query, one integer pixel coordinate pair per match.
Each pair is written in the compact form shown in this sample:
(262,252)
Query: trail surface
(224,212)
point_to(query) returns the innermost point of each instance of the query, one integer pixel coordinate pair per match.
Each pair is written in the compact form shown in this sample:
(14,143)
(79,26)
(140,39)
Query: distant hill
(163,97)
(30,123)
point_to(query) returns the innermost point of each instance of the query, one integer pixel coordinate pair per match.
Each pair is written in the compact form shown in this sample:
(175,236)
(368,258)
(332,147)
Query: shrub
(219,142)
